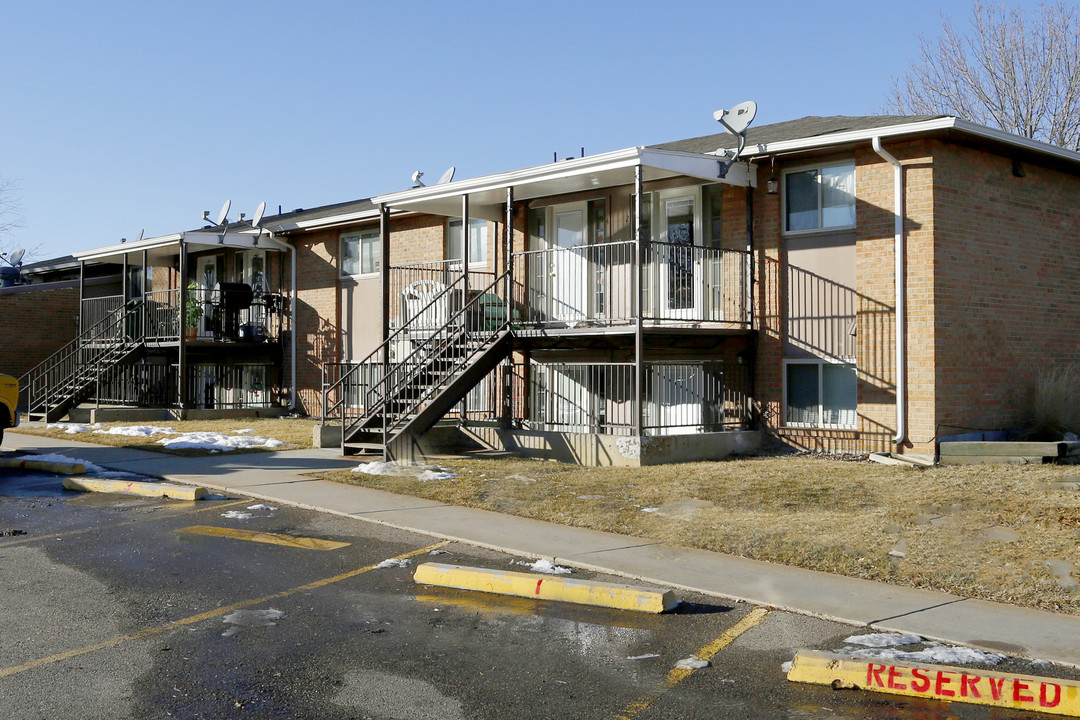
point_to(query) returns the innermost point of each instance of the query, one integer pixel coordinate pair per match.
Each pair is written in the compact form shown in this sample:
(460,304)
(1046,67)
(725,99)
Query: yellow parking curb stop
(28,463)
(130,487)
(546,587)
(939,682)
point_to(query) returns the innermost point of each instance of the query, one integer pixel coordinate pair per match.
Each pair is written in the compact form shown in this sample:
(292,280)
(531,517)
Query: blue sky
(120,116)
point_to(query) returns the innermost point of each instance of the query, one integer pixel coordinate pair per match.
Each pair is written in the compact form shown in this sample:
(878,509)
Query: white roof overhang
(160,249)
(487,194)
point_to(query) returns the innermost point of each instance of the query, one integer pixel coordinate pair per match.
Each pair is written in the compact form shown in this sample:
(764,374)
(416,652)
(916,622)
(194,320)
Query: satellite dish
(446,176)
(416,179)
(737,118)
(258,215)
(139,239)
(17,256)
(224,214)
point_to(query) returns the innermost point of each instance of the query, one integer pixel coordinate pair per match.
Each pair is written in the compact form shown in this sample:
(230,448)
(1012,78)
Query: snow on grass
(136,430)
(544,566)
(392,563)
(422,473)
(217,441)
(882,640)
(72,428)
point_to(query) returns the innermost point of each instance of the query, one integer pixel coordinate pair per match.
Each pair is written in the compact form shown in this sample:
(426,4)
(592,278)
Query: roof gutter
(901,289)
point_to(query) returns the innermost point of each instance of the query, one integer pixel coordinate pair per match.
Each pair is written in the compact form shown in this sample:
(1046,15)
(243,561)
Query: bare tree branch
(1013,70)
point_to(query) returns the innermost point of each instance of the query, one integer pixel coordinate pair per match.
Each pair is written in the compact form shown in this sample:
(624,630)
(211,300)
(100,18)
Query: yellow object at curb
(546,587)
(940,682)
(131,487)
(23,463)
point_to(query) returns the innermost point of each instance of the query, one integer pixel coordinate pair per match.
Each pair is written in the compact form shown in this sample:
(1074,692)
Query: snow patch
(423,473)
(237,515)
(648,656)
(56,458)
(392,563)
(261,507)
(136,430)
(251,618)
(882,640)
(629,447)
(786,667)
(72,428)
(544,566)
(692,663)
(933,653)
(217,441)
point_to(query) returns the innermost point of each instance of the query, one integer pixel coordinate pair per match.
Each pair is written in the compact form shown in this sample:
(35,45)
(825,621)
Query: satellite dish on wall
(447,176)
(224,214)
(738,118)
(258,215)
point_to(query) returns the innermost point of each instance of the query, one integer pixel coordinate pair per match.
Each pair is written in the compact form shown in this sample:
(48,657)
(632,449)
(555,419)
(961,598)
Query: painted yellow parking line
(546,587)
(216,612)
(939,682)
(98,528)
(678,674)
(264,537)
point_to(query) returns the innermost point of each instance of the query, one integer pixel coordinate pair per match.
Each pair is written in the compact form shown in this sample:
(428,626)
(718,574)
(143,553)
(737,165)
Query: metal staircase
(70,375)
(386,403)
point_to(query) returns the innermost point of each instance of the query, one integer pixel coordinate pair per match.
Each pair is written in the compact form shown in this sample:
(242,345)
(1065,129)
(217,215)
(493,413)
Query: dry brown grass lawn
(1006,533)
(295,432)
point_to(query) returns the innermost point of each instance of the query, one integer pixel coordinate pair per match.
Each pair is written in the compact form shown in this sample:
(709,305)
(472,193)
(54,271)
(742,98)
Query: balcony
(597,286)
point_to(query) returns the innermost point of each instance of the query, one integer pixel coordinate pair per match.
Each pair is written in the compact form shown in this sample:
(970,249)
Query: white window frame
(362,238)
(818,167)
(481,226)
(820,363)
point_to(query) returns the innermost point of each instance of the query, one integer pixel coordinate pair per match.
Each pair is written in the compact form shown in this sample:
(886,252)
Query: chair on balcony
(425,307)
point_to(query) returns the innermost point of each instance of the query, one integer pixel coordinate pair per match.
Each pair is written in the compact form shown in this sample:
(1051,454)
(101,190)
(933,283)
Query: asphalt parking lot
(117,606)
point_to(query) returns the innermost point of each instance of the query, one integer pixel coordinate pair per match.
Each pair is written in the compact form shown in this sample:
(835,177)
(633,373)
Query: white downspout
(292,334)
(901,291)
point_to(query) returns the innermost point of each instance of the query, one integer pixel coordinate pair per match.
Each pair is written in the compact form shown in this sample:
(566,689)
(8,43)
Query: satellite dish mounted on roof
(223,216)
(15,259)
(735,121)
(259,211)
(10,275)
(416,179)
(139,239)
(446,176)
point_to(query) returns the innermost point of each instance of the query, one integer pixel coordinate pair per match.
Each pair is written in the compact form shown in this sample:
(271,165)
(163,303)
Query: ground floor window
(819,393)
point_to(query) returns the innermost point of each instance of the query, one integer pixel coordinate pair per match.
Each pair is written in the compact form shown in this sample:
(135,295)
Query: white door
(680,262)
(205,280)
(569,267)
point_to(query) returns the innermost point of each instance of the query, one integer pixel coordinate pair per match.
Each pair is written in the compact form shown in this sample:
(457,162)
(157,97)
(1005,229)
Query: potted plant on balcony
(193,312)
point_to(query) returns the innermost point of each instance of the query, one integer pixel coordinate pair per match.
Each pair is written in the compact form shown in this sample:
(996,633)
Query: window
(478,230)
(819,394)
(819,198)
(361,253)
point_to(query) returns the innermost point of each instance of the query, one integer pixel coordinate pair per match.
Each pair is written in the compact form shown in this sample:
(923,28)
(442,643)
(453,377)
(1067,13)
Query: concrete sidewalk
(280,477)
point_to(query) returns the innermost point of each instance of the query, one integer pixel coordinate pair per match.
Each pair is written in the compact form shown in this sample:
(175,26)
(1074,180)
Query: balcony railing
(597,285)
(223,317)
(209,386)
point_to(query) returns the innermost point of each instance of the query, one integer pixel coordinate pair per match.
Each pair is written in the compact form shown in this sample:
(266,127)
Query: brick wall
(37,323)
(1006,280)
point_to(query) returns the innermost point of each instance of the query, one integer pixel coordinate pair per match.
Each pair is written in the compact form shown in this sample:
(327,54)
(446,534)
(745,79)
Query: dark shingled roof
(807,127)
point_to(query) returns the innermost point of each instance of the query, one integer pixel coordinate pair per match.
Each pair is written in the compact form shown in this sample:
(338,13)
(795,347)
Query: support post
(181,381)
(508,300)
(384,271)
(639,334)
(465,298)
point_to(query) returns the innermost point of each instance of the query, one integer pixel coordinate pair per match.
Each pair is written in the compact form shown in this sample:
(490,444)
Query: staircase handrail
(335,409)
(484,336)
(102,328)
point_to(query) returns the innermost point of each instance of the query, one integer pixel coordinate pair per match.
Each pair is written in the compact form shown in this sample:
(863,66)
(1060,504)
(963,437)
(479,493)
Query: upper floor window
(478,245)
(818,198)
(360,253)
